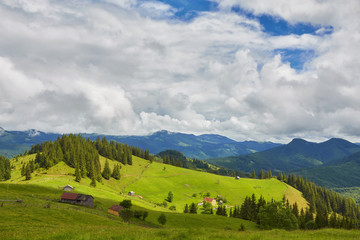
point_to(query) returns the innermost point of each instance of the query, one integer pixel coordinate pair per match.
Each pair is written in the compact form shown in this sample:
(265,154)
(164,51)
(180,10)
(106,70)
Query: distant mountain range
(199,147)
(298,154)
(13,143)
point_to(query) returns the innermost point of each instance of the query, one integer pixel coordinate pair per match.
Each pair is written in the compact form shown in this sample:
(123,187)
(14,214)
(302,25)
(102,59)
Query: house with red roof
(210,200)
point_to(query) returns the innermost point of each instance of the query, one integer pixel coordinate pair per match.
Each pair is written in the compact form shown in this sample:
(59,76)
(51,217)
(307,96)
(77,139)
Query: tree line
(5,169)
(323,200)
(84,155)
(176,158)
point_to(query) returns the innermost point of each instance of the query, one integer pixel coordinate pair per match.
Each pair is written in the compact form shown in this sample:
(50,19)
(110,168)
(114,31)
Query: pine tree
(253,175)
(106,172)
(186,209)
(116,172)
(77,173)
(268,174)
(193,208)
(295,210)
(261,174)
(23,170)
(28,172)
(7,170)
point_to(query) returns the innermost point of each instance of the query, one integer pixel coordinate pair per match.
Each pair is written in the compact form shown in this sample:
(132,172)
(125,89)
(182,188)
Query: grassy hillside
(41,216)
(31,220)
(159,179)
(154,181)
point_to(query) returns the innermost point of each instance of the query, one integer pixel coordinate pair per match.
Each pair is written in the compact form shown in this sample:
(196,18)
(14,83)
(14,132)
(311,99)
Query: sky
(250,70)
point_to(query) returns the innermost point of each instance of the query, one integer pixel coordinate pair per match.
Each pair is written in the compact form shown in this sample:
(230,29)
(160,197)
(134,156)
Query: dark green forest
(83,155)
(5,169)
(176,158)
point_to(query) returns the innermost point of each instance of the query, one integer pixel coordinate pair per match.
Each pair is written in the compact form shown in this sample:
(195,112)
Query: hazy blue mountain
(295,155)
(200,147)
(17,142)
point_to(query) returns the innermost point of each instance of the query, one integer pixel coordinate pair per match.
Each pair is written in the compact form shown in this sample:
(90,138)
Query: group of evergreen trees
(27,169)
(5,169)
(83,155)
(174,158)
(261,174)
(190,209)
(323,200)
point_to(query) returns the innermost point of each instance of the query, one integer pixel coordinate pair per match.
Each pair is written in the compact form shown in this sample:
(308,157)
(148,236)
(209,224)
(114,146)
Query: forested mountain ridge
(295,155)
(200,147)
(343,172)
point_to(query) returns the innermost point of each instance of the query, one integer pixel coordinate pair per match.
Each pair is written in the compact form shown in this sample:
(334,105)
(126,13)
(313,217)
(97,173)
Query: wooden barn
(77,198)
(115,209)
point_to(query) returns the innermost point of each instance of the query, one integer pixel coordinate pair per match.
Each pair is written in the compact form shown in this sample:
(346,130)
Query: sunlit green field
(42,216)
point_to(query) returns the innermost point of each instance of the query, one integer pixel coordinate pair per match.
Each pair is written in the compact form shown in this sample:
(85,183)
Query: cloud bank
(131,67)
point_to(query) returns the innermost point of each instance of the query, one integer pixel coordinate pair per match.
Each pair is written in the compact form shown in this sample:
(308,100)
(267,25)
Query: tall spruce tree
(116,172)
(106,172)
(28,172)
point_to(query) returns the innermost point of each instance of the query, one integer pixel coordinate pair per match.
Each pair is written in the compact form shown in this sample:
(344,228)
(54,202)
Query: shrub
(126,215)
(126,203)
(162,219)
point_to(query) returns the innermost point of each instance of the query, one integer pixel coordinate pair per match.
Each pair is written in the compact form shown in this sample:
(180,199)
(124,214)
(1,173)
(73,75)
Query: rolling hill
(295,155)
(200,147)
(43,216)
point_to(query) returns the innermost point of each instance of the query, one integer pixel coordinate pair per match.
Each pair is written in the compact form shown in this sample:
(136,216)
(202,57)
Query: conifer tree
(116,172)
(253,174)
(261,174)
(193,208)
(77,173)
(23,170)
(106,172)
(186,209)
(28,172)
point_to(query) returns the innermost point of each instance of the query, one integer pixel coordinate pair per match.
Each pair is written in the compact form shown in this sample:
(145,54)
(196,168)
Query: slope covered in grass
(192,186)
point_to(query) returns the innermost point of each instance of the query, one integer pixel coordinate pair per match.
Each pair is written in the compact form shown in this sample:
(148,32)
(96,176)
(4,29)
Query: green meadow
(40,215)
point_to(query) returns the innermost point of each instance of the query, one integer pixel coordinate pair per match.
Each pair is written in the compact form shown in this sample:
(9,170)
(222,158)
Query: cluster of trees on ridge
(273,214)
(320,199)
(176,158)
(83,155)
(5,169)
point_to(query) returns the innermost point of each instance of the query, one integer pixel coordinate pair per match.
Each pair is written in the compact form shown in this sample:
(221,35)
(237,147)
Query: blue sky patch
(296,57)
(189,9)
(277,26)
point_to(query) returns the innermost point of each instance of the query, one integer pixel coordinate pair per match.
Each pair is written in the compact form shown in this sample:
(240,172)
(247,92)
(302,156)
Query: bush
(242,227)
(162,219)
(126,203)
(145,215)
(172,208)
(138,214)
(275,215)
(126,215)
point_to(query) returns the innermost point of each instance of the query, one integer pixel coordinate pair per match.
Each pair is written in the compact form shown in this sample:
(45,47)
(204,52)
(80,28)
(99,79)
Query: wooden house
(77,198)
(115,209)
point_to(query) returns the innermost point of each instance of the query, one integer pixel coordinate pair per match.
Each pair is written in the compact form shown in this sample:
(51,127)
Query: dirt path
(137,179)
